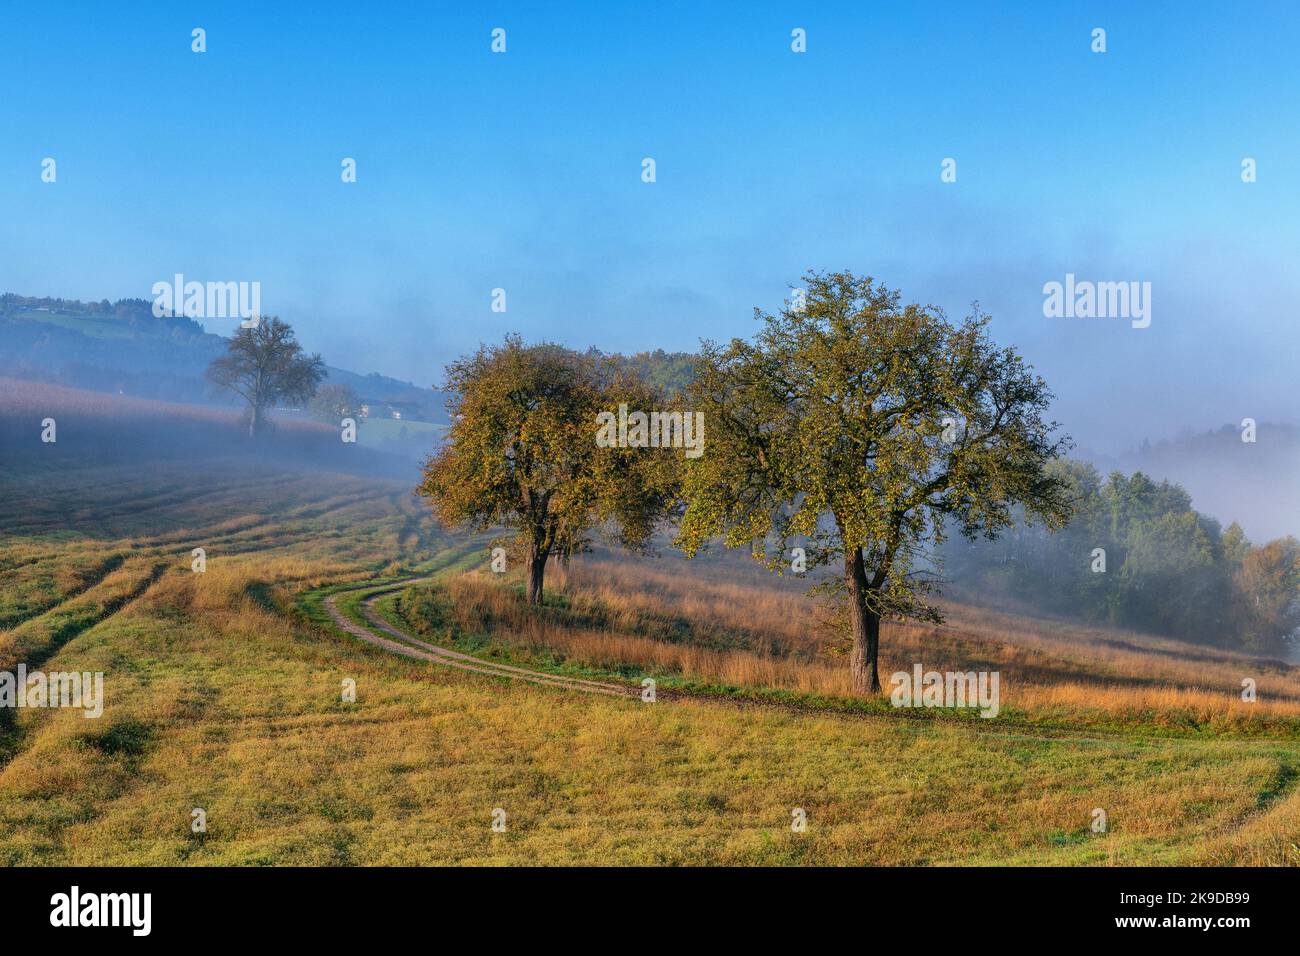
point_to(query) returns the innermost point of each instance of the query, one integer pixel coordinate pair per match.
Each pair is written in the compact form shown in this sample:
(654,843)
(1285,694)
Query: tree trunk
(254,420)
(534,572)
(865,623)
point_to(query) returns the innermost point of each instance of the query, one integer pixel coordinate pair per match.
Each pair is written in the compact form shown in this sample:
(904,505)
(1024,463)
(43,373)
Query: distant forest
(136,313)
(1138,555)
(670,371)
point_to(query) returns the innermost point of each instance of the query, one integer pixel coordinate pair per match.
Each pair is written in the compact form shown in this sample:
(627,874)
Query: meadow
(223,692)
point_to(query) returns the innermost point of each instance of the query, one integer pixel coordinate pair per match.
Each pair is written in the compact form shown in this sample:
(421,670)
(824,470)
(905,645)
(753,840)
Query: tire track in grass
(88,578)
(379,633)
(375,630)
(39,638)
(394,639)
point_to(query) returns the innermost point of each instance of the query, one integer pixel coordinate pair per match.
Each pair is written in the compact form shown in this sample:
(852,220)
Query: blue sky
(522,171)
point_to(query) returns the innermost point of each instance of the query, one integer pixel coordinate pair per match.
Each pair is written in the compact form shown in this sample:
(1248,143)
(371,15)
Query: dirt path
(380,633)
(399,642)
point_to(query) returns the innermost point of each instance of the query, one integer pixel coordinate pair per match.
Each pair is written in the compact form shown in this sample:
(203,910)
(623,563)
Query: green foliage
(670,372)
(1169,569)
(522,452)
(265,365)
(862,429)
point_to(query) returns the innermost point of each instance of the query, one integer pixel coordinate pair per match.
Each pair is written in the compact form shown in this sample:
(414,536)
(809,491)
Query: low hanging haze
(522,171)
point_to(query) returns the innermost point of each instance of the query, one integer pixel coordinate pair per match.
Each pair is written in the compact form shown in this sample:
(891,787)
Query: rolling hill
(124,349)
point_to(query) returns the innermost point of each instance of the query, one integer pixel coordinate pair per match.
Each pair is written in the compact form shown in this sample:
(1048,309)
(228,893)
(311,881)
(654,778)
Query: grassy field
(95,326)
(375,432)
(223,692)
(728,627)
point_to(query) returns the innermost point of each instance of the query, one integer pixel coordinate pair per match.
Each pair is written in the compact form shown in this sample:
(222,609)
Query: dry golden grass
(220,695)
(477,598)
(728,626)
(233,707)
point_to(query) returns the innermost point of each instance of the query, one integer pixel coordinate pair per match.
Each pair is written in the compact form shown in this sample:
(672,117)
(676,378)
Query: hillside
(124,349)
(223,691)
(92,426)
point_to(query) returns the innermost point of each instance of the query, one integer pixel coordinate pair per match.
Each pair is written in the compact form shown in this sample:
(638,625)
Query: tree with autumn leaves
(864,430)
(522,454)
(859,427)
